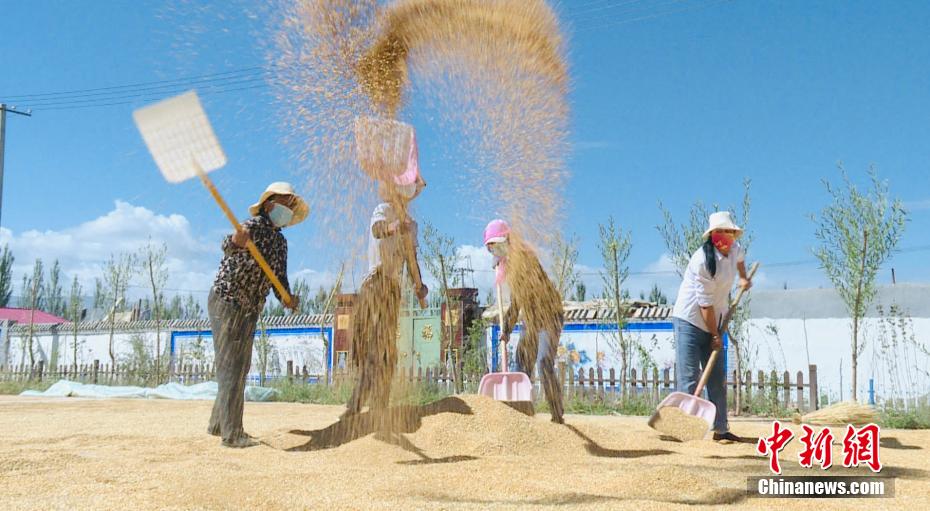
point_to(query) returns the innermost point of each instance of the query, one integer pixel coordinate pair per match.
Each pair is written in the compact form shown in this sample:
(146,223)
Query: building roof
(597,311)
(26,316)
(912,299)
(86,327)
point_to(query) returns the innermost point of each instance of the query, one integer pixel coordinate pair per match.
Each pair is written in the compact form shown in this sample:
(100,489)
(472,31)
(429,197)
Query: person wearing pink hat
(392,233)
(534,298)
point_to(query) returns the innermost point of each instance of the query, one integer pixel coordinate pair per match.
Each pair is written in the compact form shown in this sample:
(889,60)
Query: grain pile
(676,423)
(493,74)
(145,454)
(492,429)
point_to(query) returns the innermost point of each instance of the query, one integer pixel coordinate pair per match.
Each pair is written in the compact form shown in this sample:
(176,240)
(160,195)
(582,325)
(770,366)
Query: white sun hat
(283,188)
(722,220)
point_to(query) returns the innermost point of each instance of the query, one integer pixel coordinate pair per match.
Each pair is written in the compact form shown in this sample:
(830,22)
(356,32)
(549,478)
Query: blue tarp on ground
(203,391)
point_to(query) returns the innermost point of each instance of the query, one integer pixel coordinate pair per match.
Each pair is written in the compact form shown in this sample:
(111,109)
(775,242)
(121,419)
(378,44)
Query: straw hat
(722,220)
(301,210)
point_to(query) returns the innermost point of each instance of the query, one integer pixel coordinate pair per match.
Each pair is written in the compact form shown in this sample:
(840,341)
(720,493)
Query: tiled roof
(174,324)
(26,315)
(597,311)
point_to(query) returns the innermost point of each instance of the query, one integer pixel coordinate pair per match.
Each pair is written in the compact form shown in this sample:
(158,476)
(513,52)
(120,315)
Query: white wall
(300,345)
(829,345)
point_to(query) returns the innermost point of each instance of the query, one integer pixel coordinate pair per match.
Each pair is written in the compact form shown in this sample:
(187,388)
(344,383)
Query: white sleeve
(380,214)
(740,254)
(703,282)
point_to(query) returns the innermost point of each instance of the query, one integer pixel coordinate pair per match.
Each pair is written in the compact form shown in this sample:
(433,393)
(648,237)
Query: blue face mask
(280,215)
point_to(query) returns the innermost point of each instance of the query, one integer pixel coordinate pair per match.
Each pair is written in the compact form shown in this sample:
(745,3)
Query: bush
(313,393)
(913,419)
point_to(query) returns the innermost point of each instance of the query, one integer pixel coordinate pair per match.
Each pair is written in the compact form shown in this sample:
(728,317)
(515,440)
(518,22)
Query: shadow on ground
(721,497)
(388,425)
(595,449)
(891,442)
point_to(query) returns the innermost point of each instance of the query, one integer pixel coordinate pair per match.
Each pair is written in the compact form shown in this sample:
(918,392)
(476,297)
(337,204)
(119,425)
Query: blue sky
(671,100)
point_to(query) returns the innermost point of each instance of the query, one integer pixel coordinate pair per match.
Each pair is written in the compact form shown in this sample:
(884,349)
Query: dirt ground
(468,453)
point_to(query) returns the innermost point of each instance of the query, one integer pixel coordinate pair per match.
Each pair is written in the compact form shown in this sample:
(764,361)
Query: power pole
(3,110)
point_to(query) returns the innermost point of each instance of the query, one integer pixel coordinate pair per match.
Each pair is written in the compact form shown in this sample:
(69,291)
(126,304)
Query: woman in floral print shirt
(238,297)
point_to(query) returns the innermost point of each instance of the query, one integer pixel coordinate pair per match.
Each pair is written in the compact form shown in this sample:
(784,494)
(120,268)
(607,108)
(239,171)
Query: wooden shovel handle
(723,328)
(413,267)
(500,319)
(250,245)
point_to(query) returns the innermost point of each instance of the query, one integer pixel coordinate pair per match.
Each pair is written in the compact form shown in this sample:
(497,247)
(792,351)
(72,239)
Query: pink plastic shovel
(692,404)
(505,386)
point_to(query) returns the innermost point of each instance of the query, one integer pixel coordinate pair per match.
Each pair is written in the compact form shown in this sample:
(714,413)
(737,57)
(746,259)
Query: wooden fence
(106,374)
(801,393)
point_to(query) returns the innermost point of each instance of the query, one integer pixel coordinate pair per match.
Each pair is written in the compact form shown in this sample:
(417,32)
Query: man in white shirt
(703,299)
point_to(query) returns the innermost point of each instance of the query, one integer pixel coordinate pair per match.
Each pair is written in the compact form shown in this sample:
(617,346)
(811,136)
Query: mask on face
(722,241)
(498,249)
(407,191)
(280,215)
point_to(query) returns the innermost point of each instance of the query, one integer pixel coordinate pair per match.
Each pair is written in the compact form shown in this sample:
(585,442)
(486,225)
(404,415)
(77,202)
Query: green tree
(153,265)
(175,308)
(657,296)
(191,308)
(580,291)
(55,300)
(117,274)
(33,298)
(564,258)
(474,360)
(615,245)
(857,232)
(6,276)
(100,296)
(441,259)
(74,314)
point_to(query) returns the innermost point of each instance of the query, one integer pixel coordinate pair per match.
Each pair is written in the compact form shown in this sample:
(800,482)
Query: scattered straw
(491,75)
(846,412)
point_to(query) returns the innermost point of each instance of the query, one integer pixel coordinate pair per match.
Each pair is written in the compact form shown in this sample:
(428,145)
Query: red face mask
(723,241)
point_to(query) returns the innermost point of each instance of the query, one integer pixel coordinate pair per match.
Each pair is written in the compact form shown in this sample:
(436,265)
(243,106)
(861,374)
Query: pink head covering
(496,231)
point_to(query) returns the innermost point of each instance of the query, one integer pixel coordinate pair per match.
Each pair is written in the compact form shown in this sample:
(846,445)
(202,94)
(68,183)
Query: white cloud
(662,265)
(84,249)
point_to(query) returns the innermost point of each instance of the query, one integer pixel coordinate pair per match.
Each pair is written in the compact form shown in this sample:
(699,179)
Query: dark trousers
(374,341)
(540,349)
(233,332)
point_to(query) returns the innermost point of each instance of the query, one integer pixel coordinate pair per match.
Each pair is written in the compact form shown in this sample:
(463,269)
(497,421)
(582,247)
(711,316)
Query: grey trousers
(540,349)
(233,332)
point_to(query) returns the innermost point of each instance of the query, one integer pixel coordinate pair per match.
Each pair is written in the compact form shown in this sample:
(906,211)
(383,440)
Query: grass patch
(17,387)
(913,419)
(313,393)
(608,404)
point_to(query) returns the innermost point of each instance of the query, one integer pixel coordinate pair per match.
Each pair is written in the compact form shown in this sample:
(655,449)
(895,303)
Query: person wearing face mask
(703,300)
(238,297)
(535,298)
(392,237)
